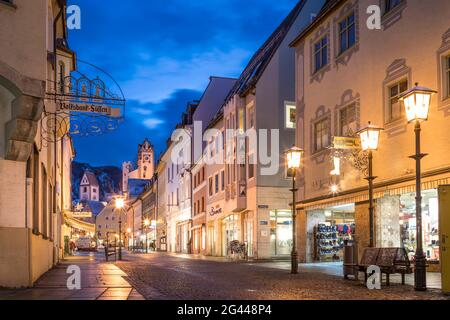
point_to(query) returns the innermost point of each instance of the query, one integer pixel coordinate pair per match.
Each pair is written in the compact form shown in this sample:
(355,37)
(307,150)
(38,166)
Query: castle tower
(146,167)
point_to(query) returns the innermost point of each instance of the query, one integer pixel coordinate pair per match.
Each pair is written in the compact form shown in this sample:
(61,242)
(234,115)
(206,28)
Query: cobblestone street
(166,277)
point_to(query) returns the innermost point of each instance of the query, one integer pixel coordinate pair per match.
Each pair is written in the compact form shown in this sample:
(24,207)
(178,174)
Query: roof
(261,59)
(95,207)
(213,98)
(92,179)
(137,186)
(328,7)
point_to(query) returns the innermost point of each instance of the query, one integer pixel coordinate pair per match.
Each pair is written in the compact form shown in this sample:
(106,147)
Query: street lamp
(120,203)
(417,105)
(294,158)
(370,137)
(146,224)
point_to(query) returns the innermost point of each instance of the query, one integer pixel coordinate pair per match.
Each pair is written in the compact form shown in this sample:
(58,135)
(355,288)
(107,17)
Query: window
(210,186)
(99,226)
(84,189)
(347,33)
(347,121)
(251,117)
(251,167)
(321,54)
(62,75)
(241,120)
(216,184)
(203,204)
(195,208)
(395,107)
(391,4)
(447,76)
(94,190)
(321,135)
(222,179)
(290,115)
(44,202)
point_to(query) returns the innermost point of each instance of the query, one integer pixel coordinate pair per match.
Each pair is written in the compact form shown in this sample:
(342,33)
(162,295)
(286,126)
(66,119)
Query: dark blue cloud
(149,120)
(162,53)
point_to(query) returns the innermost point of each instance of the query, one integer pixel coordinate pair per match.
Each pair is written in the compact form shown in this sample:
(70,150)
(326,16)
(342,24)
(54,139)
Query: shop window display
(331,234)
(430,224)
(280,233)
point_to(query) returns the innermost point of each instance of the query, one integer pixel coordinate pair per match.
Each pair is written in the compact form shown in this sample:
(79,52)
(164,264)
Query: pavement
(161,276)
(100,280)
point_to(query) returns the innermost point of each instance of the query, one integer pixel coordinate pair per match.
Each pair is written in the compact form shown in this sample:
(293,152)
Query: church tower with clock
(145,166)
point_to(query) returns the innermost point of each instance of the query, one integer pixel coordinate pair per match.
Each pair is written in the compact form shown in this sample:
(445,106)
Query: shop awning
(80,225)
(386,189)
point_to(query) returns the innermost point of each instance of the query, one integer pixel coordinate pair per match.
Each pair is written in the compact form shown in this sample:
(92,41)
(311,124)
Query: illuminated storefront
(280,233)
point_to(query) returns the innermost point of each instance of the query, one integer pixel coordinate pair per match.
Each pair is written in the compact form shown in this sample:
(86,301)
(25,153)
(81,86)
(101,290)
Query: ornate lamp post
(370,137)
(146,224)
(294,158)
(417,105)
(120,203)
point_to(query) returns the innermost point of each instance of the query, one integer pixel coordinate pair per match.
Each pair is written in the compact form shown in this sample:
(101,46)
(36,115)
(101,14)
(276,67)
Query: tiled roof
(328,7)
(263,56)
(95,207)
(92,179)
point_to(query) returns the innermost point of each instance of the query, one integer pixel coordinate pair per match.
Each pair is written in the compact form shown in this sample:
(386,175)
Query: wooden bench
(389,260)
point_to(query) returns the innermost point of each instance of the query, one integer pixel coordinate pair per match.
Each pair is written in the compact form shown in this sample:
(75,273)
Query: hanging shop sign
(79,215)
(82,105)
(104,110)
(346,143)
(215,211)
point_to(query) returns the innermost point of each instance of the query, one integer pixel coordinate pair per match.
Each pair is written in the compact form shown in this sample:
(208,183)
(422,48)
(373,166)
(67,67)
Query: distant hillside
(110,179)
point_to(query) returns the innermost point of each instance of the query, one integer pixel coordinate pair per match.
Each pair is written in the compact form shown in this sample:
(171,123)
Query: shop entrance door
(229,232)
(444,232)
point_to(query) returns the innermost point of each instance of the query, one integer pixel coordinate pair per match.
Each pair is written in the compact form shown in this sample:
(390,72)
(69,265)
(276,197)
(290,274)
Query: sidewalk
(328,268)
(100,280)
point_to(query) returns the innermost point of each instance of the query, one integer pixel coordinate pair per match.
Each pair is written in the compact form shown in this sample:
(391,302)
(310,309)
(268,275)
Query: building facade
(348,75)
(262,104)
(209,108)
(34,186)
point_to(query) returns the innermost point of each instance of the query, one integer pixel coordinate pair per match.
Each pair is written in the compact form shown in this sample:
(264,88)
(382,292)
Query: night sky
(162,53)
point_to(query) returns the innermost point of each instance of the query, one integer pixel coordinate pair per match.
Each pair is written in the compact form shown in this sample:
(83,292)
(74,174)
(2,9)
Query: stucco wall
(409,48)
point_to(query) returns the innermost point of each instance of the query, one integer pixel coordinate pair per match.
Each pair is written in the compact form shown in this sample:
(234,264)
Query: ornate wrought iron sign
(83,107)
(349,148)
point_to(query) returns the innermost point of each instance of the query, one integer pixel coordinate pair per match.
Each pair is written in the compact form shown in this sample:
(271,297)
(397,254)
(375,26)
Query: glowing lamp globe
(417,103)
(294,157)
(120,203)
(370,137)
